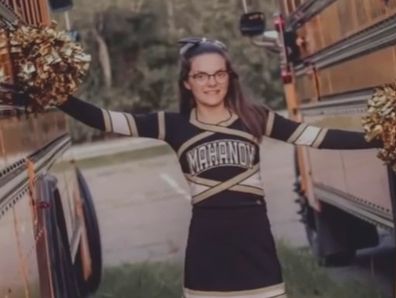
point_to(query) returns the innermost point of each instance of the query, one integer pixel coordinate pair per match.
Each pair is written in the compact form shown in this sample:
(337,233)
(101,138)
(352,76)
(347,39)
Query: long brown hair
(252,115)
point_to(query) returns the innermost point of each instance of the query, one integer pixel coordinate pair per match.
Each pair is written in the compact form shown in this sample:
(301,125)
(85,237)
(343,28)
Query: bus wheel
(91,284)
(61,268)
(64,272)
(328,247)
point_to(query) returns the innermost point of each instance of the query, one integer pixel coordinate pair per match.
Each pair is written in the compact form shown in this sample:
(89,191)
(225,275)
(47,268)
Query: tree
(134,48)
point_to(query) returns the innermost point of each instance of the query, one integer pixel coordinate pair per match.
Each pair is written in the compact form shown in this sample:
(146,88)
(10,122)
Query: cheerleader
(216,136)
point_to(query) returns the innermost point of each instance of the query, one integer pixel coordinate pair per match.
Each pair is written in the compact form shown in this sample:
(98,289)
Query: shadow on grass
(303,277)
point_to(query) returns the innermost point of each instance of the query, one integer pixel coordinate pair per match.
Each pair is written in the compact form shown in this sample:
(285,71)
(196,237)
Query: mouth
(212,92)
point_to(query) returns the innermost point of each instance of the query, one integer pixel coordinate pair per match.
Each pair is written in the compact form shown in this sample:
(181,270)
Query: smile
(212,92)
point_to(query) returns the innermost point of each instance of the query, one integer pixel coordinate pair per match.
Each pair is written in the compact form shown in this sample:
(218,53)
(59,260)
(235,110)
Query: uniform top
(220,161)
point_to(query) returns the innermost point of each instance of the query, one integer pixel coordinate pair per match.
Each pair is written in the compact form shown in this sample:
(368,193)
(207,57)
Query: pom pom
(380,122)
(48,65)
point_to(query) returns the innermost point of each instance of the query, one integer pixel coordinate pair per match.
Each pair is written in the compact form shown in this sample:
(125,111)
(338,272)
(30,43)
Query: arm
(296,133)
(147,125)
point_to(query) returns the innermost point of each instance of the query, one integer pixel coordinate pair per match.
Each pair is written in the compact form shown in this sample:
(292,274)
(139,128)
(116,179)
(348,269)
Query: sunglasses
(191,42)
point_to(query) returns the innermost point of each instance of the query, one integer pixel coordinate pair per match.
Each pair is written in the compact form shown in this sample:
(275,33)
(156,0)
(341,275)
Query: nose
(211,80)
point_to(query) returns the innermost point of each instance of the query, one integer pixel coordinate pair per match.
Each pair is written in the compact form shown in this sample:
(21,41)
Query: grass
(303,277)
(142,280)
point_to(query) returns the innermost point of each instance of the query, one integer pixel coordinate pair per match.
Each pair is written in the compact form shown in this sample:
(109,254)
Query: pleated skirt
(231,253)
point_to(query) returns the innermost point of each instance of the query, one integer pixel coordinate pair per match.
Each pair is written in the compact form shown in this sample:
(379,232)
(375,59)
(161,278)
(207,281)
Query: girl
(216,135)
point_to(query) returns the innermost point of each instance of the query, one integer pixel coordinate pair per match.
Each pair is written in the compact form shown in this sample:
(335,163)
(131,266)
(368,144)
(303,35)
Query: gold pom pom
(48,65)
(380,122)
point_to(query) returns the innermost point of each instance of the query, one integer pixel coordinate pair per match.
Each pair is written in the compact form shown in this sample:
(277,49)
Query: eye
(221,74)
(199,76)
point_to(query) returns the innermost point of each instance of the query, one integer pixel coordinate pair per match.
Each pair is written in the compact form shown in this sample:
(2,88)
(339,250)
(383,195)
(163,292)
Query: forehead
(209,63)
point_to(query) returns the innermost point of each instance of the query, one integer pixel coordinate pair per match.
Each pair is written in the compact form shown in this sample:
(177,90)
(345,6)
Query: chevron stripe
(275,291)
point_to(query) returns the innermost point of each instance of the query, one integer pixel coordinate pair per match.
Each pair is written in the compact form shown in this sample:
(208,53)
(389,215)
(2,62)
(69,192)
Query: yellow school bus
(334,53)
(49,236)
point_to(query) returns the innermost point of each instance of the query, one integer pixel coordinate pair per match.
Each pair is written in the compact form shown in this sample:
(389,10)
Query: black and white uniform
(230,249)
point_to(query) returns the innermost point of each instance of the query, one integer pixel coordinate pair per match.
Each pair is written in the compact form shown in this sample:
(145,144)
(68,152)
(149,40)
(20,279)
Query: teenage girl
(216,136)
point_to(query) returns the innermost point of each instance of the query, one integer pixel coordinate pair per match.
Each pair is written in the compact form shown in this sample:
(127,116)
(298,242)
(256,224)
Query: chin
(212,102)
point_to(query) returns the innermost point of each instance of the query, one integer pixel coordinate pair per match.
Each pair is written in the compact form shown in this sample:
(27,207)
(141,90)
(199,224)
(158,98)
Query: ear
(187,85)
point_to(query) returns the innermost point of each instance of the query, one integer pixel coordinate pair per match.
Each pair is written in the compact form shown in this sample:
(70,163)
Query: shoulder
(174,116)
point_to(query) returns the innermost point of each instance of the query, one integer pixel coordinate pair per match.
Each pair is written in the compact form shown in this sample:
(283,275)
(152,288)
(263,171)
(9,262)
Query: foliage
(139,40)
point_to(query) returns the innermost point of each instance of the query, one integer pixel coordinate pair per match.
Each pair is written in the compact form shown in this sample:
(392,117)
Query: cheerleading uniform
(230,249)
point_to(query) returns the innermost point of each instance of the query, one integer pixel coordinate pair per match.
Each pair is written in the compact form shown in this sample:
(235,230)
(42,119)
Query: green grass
(143,280)
(303,277)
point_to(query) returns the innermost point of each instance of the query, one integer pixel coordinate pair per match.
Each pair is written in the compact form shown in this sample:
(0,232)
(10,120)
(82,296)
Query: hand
(9,94)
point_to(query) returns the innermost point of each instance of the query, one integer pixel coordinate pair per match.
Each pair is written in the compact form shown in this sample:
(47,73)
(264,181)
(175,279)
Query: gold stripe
(194,120)
(270,123)
(297,133)
(228,122)
(258,295)
(221,128)
(226,130)
(248,189)
(107,121)
(129,125)
(202,181)
(275,291)
(240,188)
(211,183)
(191,141)
(234,132)
(224,185)
(132,124)
(161,125)
(320,138)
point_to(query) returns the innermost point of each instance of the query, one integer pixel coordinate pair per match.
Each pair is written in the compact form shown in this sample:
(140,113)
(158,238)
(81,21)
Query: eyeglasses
(202,78)
(190,42)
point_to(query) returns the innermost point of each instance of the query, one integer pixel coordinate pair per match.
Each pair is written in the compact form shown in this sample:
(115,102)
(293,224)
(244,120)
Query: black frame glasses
(190,42)
(202,78)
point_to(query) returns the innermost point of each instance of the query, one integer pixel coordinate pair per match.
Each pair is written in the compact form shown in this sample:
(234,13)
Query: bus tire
(64,283)
(341,258)
(91,284)
(335,235)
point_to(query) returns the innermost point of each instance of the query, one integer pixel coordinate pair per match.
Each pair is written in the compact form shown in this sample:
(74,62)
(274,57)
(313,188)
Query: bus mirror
(252,24)
(60,5)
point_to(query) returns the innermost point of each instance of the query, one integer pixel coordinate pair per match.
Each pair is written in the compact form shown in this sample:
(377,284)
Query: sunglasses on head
(190,42)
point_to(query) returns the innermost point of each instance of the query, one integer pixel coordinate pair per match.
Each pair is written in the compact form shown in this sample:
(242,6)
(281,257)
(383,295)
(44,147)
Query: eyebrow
(201,71)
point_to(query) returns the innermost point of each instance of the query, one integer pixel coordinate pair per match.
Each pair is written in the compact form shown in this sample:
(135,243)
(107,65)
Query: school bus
(334,53)
(49,235)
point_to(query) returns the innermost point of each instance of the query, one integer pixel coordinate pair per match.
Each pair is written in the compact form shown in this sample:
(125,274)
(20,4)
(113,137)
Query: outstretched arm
(287,130)
(150,125)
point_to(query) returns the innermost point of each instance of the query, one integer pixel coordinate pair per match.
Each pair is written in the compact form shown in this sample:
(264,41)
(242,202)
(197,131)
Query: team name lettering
(220,153)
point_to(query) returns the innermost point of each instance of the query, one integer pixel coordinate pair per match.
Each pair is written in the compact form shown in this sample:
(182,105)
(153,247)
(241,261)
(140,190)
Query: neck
(212,115)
